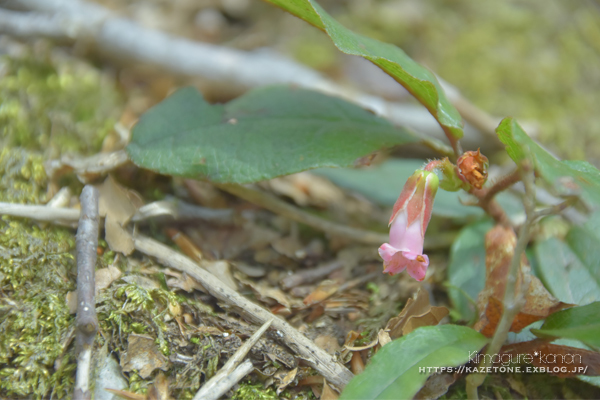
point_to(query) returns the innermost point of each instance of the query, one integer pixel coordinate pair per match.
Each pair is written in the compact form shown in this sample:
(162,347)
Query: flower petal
(417,264)
(418,269)
(387,251)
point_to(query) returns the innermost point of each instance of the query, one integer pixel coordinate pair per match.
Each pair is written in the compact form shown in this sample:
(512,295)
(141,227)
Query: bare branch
(215,388)
(87,321)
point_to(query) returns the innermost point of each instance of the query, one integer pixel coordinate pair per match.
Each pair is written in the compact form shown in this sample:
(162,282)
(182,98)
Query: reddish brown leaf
(562,361)
(500,245)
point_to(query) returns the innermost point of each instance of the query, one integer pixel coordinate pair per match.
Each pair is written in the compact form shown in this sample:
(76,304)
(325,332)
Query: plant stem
(513,302)
(486,197)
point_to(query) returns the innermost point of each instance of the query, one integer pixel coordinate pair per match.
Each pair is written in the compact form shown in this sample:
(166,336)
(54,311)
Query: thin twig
(179,210)
(58,215)
(282,208)
(300,344)
(214,388)
(86,321)
(555,209)
(513,302)
(310,275)
(228,381)
(500,185)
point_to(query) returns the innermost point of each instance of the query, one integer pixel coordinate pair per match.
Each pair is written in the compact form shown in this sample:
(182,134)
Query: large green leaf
(265,133)
(394,371)
(466,269)
(418,80)
(563,273)
(581,323)
(565,176)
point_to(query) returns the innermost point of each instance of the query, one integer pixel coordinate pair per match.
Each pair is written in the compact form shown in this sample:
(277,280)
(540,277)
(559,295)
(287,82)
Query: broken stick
(231,373)
(86,321)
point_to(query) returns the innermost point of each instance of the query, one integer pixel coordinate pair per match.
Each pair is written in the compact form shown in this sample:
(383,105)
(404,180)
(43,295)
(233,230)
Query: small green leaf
(579,323)
(418,80)
(265,133)
(563,274)
(466,270)
(394,371)
(566,176)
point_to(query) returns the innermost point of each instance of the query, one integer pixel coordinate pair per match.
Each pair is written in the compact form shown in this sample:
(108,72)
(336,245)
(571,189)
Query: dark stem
(486,197)
(86,321)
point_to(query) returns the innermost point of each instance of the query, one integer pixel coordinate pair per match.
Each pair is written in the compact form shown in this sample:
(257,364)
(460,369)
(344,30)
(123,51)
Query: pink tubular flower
(408,223)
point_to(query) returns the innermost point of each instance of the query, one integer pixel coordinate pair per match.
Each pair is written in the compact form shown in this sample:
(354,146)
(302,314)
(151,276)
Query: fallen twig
(86,321)
(310,275)
(61,216)
(180,210)
(316,357)
(231,373)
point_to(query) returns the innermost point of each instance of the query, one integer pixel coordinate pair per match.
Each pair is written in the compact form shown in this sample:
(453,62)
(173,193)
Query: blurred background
(536,60)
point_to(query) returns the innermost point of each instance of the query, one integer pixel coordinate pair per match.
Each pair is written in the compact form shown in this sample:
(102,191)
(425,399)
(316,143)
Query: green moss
(248,391)
(35,323)
(22,176)
(55,105)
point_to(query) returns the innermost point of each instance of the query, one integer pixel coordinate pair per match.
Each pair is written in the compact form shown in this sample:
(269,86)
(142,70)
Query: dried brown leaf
(186,283)
(285,378)
(328,393)
(416,313)
(325,290)
(106,276)
(328,343)
(266,293)
(143,355)
(159,390)
(500,245)
(118,205)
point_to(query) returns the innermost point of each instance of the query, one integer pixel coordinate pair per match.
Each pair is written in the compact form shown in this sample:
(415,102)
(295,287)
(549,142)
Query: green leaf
(466,269)
(394,371)
(563,274)
(584,241)
(418,80)
(579,323)
(565,176)
(265,133)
